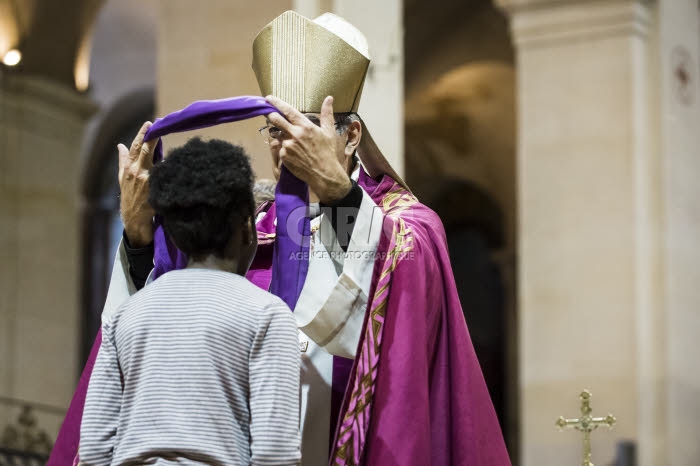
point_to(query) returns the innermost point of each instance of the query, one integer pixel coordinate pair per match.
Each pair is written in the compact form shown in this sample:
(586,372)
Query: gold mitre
(302,61)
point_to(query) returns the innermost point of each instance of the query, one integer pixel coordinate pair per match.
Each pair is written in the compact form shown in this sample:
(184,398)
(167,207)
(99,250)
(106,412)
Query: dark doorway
(474,227)
(101,224)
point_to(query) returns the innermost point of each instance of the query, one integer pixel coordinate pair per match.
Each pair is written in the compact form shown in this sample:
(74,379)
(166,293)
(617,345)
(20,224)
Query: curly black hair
(203,191)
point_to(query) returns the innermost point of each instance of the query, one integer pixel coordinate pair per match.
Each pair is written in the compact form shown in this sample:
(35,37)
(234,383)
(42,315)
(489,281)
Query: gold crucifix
(586,424)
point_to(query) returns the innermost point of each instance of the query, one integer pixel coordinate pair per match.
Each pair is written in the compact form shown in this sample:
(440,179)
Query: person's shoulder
(278,314)
(274,305)
(138,303)
(427,218)
(398,202)
(154,288)
(421,219)
(239,286)
(418,229)
(267,307)
(136,299)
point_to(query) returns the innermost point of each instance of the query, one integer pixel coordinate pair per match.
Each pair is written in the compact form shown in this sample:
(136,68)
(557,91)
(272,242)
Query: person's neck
(214,263)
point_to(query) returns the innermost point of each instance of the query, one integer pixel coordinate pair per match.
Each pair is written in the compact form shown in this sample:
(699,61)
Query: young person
(201,366)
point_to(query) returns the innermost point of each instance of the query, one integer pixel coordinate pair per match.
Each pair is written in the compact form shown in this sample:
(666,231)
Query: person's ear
(249,245)
(354,133)
(249,233)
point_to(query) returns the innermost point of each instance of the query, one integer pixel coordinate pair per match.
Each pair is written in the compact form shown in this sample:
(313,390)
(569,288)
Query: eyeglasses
(269,132)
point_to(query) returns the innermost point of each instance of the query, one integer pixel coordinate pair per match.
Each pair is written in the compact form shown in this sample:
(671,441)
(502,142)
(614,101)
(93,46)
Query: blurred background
(558,140)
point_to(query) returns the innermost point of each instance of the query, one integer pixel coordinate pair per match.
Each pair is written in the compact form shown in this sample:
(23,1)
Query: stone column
(41,125)
(677,119)
(382,97)
(588,195)
(609,107)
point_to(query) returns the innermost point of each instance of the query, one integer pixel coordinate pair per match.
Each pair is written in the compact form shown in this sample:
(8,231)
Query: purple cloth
(65,451)
(206,113)
(201,114)
(290,257)
(290,260)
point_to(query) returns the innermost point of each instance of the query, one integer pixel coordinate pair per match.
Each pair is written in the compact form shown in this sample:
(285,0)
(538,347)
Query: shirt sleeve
(140,262)
(121,286)
(332,304)
(98,429)
(274,389)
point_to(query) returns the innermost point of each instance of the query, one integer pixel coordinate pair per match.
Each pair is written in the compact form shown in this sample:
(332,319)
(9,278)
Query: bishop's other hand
(134,165)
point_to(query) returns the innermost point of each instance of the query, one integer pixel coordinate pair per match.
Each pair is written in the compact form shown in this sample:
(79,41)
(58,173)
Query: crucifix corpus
(586,424)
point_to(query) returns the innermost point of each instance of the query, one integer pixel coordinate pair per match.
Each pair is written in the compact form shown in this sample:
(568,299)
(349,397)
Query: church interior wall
(600,206)
(577,233)
(679,49)
(41,122)
(46,127)
(223,31)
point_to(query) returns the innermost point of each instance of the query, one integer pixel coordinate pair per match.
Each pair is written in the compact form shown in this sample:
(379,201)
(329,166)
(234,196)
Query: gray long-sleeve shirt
(200,367)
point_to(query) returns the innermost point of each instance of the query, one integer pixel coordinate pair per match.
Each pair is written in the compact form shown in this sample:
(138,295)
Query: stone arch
(100,224)
(58,55)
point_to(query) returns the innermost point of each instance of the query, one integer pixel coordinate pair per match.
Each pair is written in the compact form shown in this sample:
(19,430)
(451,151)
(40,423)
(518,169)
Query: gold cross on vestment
(586,424)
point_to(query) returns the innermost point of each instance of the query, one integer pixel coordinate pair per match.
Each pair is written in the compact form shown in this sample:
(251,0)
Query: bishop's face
(277,136)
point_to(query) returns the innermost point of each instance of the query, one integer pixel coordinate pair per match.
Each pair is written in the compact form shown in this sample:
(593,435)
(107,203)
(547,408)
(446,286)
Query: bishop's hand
(134,165)
(310,152)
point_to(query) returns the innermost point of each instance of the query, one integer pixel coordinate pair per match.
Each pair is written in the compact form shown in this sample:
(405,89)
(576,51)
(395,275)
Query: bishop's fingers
(292,114)
(327,120)
(279,121)
(138,141)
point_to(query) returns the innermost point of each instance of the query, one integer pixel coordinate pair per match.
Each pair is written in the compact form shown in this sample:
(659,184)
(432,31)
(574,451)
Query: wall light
(12,57)
(81,69)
